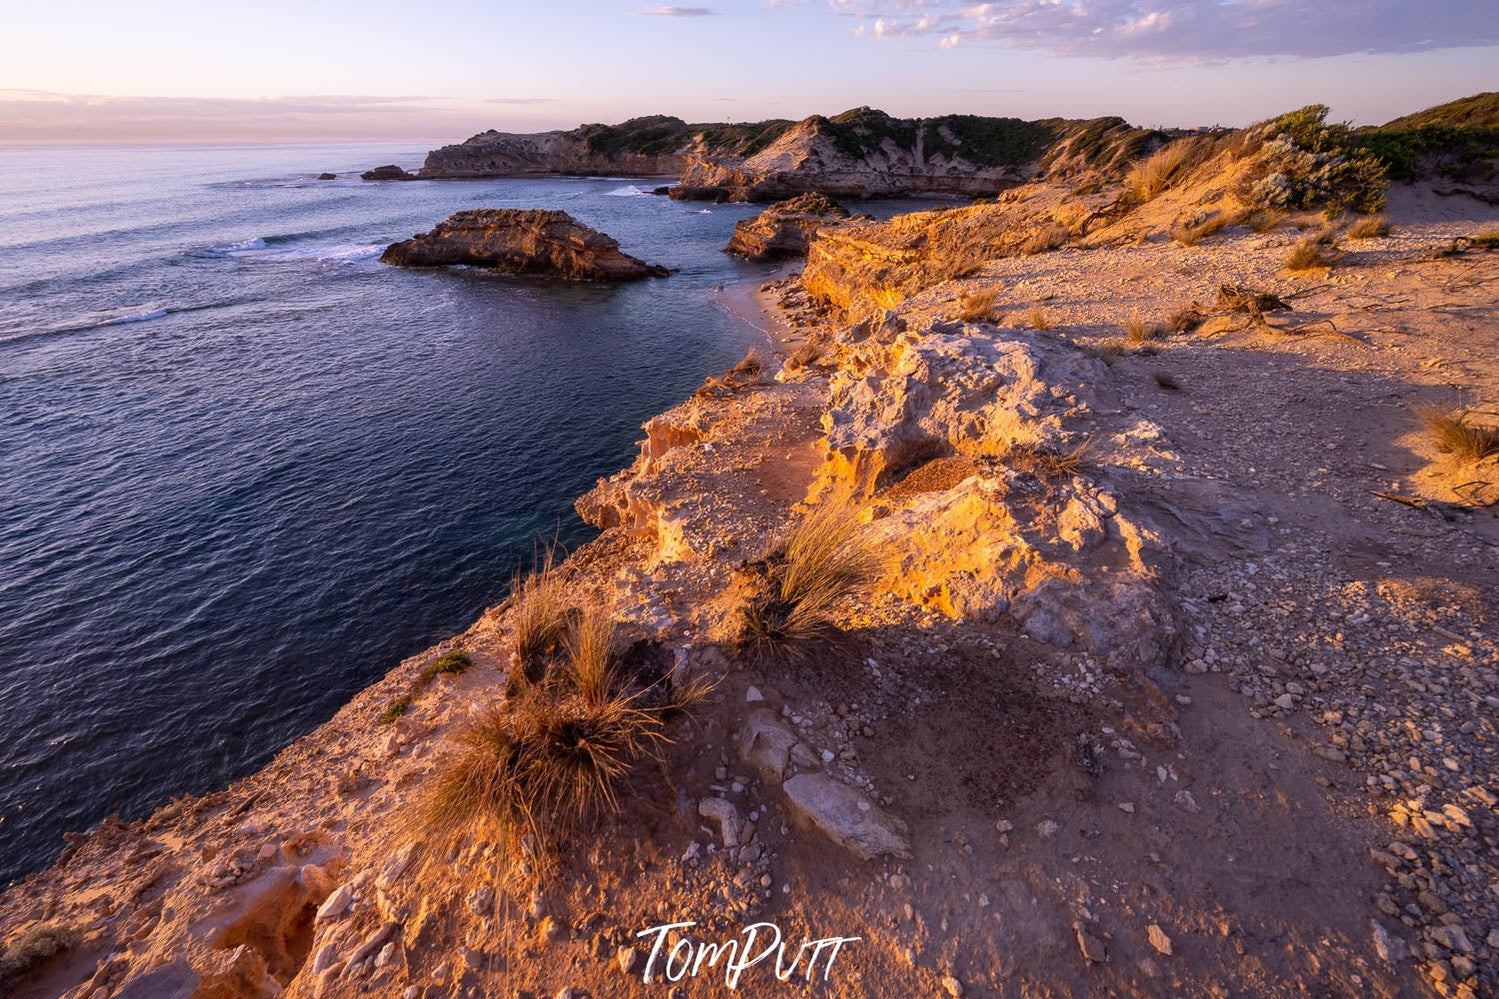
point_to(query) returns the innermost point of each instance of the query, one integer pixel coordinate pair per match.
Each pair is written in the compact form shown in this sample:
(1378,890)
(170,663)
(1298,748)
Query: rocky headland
(522,241)
(1086,592)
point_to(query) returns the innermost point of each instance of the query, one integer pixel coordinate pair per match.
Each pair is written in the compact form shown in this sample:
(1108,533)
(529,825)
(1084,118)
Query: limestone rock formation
(847,817)
(785,228)
(522,241)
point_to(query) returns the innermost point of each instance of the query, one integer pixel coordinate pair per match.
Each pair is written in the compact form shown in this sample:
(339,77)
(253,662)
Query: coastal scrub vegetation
(1452,434)
(32,947)
(820,562)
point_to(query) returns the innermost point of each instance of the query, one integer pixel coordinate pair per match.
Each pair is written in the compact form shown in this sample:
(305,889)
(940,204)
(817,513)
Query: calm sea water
(245,468)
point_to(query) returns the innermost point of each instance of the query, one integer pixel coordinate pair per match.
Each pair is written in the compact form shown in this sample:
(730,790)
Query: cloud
(1183,30)
(664,11)
(520,100)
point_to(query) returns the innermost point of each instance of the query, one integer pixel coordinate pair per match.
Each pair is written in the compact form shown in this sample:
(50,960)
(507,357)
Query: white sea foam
(628,191)
(138,317)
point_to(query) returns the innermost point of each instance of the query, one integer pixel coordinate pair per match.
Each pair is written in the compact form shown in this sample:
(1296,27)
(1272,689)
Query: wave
(122,316)
(628,191)
(285,249)
(139,317)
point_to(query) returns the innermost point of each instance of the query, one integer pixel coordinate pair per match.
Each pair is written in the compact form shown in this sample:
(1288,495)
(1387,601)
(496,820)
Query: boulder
(785,228)
(388,172)
(327,176)
(522,241)
(847,817)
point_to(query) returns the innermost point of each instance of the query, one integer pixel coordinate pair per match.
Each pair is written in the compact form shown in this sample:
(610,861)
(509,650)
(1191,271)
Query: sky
(440,70)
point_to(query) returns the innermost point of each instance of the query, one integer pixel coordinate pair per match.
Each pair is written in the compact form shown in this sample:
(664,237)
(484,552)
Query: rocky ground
(1208,710)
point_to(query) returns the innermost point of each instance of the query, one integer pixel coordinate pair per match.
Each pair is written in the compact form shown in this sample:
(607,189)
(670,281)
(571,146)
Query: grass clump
(1453,434)
(538,766)
(1369,227)
(1138,331)
(557,753)
(822,561)
(1165,380)
(1045,240)
(395,709)
(35,945)
(978,306)
(804,356)
(1154,174)
(1038,319)
(450,663)
(1317,251)
(539,619)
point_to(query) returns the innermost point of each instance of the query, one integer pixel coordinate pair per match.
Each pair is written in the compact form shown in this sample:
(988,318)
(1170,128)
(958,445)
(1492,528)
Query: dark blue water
(245,468)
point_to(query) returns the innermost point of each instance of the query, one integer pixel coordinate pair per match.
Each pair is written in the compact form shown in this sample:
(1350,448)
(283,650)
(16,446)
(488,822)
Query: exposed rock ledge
(785,228)
(522,241)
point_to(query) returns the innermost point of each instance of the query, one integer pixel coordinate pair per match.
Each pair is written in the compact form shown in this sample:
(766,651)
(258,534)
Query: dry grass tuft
(1454,435)
(1191,235)
(590,651)
(978,306)
(822,561)
(1185,320)
(1138,331)
(539,620)
(1165,380)
(1038,319)
(749,369)
(805,356)
(1154,174)
(1045,240)
(1369,227)
(1313,253)
(538,766)
(35,945)
(1262,221)
(1046,463)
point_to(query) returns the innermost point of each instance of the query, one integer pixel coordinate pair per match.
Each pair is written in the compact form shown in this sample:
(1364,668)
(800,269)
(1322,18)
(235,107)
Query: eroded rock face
(899,393)
(785,228)
(1048,549)
(522,241)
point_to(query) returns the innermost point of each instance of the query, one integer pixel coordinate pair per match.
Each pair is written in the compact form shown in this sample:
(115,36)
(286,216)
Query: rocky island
(1089,591)
(522,241)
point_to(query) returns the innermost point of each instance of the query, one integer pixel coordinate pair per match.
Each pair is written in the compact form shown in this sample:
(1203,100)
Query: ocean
(245,468)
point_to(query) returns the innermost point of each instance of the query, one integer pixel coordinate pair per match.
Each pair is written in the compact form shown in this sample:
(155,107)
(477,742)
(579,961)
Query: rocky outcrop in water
(388,172)
(522,241)
(785,228)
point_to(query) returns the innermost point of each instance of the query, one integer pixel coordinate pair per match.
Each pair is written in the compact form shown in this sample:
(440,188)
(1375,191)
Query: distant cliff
(858,154)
